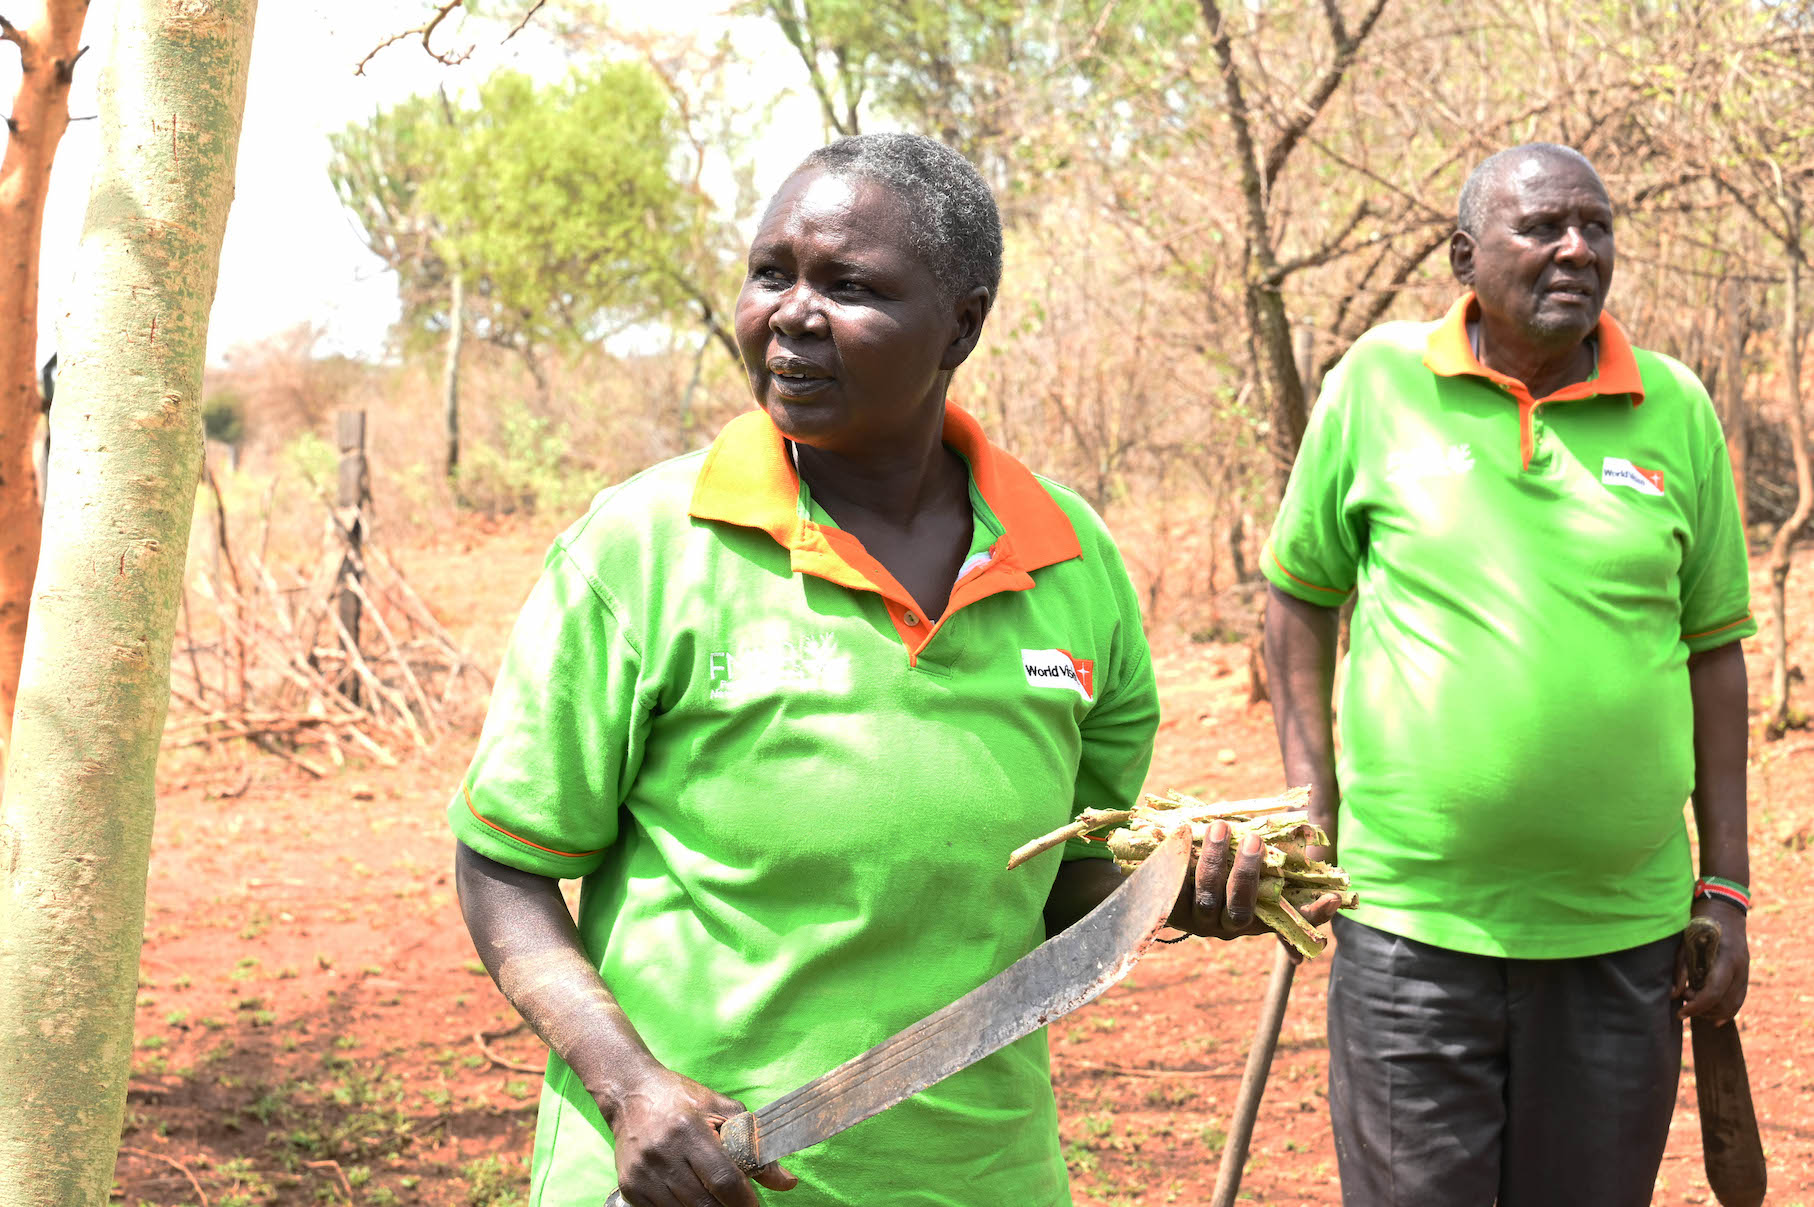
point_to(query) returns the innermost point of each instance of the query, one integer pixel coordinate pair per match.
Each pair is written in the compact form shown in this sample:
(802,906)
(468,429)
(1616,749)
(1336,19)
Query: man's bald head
(1484,181)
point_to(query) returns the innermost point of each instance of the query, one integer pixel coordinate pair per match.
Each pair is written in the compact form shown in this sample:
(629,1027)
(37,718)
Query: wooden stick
(1122,1071)
(479,1038)
(1089,819)
(335,1166)
(377,685)
(384,630)
(1253,1081)
(173,1163)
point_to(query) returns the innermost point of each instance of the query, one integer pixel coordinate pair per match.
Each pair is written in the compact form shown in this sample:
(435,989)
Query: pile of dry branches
(278,666)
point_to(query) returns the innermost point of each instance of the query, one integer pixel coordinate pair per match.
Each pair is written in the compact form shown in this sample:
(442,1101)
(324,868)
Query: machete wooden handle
(1730,1143)
(738,1135)
(1702,939)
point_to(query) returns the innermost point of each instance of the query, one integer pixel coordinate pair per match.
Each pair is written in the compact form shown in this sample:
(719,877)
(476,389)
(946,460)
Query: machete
(1048,982)
(1729,1140)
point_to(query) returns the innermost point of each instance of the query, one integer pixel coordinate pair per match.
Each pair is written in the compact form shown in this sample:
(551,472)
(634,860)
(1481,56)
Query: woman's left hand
(1217,900)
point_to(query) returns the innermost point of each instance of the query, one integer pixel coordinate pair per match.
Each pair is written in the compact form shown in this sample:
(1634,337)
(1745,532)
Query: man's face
(1542,260)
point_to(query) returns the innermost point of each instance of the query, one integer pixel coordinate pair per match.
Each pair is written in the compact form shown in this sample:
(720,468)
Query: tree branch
(1253,188)
(533,10)
(427,30)
(1784,237)
(11,33)
(1331,248)
(66,68)
(1346,47)
(1371,313)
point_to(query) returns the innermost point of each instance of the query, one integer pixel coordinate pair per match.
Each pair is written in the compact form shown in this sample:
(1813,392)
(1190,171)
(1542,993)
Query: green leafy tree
(975,76)
(561,203)
(539,216)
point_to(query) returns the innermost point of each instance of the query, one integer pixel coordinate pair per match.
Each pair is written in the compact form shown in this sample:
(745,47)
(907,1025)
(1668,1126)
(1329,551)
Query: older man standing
(1539,525)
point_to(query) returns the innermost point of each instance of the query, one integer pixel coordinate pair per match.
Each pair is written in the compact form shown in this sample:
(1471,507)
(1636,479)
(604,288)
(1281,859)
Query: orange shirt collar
(1450,354)
(748,479)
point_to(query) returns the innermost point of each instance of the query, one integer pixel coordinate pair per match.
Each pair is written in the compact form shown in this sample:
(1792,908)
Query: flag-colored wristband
(1720,889)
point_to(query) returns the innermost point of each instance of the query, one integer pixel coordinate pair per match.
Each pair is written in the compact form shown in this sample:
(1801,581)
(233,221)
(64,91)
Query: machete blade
(1048,982)
(1730,1143)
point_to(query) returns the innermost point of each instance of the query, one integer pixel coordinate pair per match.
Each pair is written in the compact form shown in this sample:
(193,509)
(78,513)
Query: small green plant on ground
(494,1182)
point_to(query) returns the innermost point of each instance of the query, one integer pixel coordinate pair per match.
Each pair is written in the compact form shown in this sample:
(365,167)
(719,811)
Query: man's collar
(749,479)
(1449,353)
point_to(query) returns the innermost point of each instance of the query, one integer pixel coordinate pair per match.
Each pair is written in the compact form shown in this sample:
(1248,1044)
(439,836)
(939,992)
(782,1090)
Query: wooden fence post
(350,502)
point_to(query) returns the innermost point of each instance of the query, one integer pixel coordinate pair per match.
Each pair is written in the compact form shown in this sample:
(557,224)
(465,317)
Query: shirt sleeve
(1716,571)
(562,736)
(1314,552)
(1118,732)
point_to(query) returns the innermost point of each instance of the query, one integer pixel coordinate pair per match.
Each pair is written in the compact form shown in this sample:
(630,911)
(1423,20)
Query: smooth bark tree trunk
(48,49)
(1804,498)
(76,819)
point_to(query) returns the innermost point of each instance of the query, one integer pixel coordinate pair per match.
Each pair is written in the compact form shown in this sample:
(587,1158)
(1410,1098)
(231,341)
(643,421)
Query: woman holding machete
(786,705)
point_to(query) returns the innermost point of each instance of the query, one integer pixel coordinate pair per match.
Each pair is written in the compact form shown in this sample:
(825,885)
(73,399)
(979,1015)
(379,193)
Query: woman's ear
(972,311)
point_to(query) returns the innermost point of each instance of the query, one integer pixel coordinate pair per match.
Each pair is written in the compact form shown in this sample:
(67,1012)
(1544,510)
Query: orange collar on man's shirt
(1450,353)
(749,479)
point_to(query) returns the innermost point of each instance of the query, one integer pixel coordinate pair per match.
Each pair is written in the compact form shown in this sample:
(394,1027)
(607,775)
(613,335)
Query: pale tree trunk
(450,382)
(49,45)
(1804,493)
(76,818)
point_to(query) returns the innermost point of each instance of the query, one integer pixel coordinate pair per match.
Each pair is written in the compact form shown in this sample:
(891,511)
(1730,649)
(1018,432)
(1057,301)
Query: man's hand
(1730,977)
(665,1133)
(1217,900)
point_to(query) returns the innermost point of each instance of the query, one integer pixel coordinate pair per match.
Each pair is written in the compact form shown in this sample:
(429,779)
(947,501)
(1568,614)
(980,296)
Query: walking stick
(1253,1081)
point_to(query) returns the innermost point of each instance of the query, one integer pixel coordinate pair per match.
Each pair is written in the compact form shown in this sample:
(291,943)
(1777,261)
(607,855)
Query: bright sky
(291,253)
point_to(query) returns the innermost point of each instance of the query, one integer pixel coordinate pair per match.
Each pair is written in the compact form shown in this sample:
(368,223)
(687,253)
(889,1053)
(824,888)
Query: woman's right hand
(665,1132)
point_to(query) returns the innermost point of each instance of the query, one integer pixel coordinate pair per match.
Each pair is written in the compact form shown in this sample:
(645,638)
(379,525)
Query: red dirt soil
(309,1000)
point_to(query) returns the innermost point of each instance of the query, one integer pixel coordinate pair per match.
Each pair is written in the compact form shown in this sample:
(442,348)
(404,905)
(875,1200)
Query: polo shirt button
(909,619)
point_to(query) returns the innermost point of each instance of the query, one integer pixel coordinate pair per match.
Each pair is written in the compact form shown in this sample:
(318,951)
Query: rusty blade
(1730,1143)
(1050,981)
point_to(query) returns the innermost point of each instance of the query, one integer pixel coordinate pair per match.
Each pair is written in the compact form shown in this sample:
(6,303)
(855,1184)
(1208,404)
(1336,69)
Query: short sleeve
(1118,732)
(1716,571)
(1314,552)
(562,735)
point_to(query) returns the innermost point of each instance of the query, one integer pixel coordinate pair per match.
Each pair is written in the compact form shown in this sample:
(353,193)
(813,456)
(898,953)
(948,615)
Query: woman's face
(848,337)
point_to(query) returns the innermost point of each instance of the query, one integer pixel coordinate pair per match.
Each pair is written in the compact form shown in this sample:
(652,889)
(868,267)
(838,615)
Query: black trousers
(1459,1080)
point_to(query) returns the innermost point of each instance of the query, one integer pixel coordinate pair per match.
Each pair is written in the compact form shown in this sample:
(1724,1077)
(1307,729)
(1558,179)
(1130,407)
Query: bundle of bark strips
(1289,879)
(277,665)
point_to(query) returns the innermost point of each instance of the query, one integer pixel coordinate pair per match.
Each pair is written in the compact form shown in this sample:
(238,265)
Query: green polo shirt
(791,798)
(1532,574)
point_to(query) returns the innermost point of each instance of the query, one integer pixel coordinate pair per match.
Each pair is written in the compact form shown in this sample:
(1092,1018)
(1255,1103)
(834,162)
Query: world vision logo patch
(1617,471)
(1056,668)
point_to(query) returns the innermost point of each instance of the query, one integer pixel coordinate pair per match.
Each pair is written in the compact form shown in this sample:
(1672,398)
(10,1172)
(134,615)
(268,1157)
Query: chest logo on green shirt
(1057,668)
(1617,471)
(1430,461)
(758,668)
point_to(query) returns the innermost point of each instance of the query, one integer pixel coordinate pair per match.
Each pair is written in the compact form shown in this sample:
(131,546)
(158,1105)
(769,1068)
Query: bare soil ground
(312,1021)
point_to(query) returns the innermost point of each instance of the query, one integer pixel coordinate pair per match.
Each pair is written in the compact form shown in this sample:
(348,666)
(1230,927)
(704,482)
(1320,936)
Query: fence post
(353,494)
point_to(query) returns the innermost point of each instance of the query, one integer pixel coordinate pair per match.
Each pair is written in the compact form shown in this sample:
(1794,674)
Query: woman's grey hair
(956,228)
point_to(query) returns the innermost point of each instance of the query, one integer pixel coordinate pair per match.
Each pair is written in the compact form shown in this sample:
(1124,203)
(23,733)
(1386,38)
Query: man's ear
(972,310)
(1461,257)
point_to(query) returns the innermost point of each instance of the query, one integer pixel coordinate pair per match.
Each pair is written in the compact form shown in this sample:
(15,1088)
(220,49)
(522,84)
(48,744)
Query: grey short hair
(956,228)
(1471,211)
